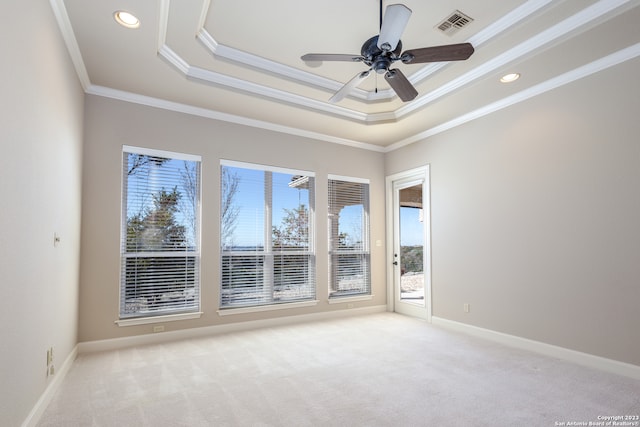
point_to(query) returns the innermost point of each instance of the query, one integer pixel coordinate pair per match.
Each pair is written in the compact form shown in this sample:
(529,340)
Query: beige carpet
(376,370)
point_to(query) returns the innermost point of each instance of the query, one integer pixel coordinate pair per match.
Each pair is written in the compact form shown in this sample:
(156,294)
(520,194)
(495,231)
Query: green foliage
(411,259)
(293,231)
(156,229)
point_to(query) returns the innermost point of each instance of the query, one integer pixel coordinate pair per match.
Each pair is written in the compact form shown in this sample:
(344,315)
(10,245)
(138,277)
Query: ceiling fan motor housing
(378,59)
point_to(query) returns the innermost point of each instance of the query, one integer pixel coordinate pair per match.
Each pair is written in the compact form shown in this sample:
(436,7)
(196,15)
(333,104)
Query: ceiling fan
(380,51)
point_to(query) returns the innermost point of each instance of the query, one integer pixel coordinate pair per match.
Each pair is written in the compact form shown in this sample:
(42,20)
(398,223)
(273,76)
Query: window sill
(158,319)
(342,300)
(256,309)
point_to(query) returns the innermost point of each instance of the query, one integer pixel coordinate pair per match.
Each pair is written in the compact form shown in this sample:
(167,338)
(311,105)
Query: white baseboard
(41,405)
(584,359)
(580,358)
(161,337)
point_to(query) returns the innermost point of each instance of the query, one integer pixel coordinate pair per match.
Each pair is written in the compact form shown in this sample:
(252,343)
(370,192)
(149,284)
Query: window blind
(160,248)
(349,251)
(266,229)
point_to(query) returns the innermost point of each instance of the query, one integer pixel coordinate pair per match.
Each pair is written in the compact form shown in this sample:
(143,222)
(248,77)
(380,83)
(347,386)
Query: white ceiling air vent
(454,23)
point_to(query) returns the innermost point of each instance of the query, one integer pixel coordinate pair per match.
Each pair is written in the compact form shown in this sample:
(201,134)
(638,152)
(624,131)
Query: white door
(408,201)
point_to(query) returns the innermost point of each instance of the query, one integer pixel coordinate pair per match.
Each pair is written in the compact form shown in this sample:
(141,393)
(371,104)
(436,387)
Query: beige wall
(111,124)
(534,210)
(41,107)
(536,216)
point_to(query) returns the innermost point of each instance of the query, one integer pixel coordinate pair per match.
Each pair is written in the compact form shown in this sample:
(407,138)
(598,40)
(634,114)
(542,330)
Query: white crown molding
(60,12)
(523,49)
(496,28)
(163,22)
(224,117)
(554,83)
(553,33)
(291,73)
(196,73)
(165,52)
(616,58)
(212,77)
(571,76)
(507,21)
(206,4)
(263,64)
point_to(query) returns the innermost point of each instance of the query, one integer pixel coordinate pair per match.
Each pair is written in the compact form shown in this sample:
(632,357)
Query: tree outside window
(160,242)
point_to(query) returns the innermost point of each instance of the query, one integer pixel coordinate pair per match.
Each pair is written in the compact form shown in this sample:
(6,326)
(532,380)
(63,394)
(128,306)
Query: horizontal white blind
(349,252)
(160,234)
(267,250)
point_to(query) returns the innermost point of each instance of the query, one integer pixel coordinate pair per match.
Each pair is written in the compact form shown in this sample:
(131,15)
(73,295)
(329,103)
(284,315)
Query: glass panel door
(411,256)
(409,276)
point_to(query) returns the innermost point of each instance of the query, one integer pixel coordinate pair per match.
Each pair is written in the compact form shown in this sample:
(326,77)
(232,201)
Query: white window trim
(419,174)
(269,168)
(161,153)
(331,177)
(270,307)
(158,319)
(342,300)
(312,251)
(131,321)
(357,297)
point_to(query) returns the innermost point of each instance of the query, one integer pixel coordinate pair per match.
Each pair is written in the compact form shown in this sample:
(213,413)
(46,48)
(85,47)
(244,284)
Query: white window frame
(336,296)
(268,253)
(165,315)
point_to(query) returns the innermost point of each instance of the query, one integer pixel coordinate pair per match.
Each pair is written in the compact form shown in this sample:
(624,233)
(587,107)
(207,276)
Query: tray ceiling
(240,61)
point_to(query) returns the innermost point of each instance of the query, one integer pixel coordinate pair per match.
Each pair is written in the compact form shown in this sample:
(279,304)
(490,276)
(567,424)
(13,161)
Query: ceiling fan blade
(395,20)
(331,57)
(401,85)
(347,88)
(450,52)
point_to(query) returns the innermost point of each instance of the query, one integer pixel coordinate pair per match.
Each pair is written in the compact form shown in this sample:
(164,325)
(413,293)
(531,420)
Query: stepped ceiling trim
(565,29)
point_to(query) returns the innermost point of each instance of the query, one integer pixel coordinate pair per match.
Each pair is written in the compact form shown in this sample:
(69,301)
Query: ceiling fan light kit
(395,21)
(381,51)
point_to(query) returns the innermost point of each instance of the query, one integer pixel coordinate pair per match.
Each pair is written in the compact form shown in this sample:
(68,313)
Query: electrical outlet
(159,328)
(466,308)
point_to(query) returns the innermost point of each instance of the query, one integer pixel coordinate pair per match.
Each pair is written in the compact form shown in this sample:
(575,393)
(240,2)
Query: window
(160,248)
(266,235)
(349,270)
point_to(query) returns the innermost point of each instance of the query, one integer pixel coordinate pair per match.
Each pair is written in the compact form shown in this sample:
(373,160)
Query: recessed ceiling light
(508,78)
(126,19)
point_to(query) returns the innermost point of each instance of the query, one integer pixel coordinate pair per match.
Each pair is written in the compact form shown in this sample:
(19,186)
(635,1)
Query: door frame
(419,173)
